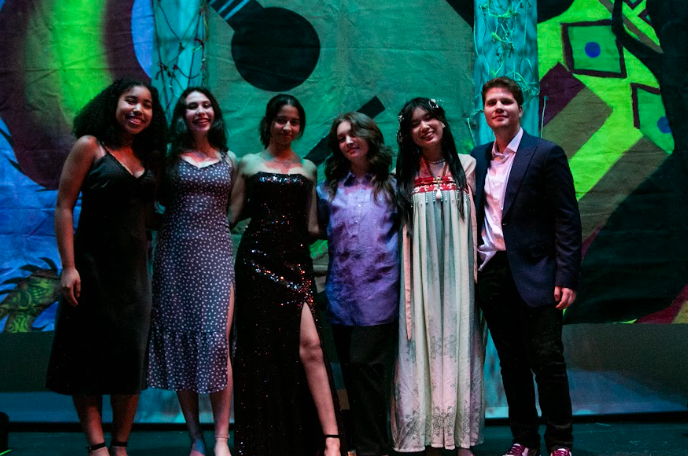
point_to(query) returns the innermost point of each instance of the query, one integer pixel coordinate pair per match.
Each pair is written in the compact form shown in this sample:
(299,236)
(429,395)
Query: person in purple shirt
(356,210)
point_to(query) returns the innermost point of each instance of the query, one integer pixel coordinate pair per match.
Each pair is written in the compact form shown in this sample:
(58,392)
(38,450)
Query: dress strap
(105,150)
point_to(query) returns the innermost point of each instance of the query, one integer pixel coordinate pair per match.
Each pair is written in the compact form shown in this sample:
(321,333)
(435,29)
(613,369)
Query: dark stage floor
(604,437)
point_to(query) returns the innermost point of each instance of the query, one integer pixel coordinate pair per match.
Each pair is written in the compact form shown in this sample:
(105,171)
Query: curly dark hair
(98,119)
(379,155)
(408,160)
(274,105)
(504,82)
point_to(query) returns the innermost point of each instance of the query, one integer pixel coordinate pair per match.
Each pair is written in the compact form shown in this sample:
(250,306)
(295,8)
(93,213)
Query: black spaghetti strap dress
(100,346)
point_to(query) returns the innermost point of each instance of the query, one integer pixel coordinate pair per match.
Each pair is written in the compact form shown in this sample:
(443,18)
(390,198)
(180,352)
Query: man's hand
(564,297)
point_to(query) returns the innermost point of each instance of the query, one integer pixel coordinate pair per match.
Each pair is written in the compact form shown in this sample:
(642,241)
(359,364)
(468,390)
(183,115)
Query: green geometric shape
(650,116)
(591,48)
(577,122)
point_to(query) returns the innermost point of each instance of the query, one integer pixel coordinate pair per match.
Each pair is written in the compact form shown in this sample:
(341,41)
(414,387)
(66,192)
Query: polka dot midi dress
(193,275)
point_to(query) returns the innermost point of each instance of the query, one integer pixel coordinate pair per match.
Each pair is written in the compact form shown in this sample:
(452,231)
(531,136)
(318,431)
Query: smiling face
(354,148)
(199,114)
(426,130)
(134,110)
(286,126)
(502,112)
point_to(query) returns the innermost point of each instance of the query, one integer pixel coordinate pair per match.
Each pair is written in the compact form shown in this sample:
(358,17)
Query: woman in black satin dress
(285,399)
(101,336)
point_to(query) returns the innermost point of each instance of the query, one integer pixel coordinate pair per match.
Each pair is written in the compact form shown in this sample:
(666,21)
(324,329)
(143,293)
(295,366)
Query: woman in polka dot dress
(193,274)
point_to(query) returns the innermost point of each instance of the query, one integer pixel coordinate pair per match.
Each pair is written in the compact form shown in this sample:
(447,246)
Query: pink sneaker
(520,450)
(561,452)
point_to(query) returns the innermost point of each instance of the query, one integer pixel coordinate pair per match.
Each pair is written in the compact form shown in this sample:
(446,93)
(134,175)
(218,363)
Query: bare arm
(323,210)
(234,163)
(238,196)
(74,171)
(312,208)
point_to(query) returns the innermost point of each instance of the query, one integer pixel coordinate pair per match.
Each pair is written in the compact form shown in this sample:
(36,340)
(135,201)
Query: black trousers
(528,341)
(366,354)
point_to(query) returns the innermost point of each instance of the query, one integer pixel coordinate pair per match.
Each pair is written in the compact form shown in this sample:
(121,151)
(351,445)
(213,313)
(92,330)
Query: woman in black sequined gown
(285,401)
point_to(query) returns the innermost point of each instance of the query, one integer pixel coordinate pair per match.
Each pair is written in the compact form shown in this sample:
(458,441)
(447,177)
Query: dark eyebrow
(134,97)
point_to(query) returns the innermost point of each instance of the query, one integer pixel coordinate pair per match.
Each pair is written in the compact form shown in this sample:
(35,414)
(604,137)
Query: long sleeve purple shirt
(363,279)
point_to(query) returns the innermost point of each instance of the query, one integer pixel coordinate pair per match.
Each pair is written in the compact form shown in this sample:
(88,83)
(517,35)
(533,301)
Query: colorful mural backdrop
(612,84)
(55,56)
(613,79)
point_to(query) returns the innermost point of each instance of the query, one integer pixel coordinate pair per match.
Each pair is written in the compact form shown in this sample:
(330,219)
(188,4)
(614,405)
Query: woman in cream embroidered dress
(438,394)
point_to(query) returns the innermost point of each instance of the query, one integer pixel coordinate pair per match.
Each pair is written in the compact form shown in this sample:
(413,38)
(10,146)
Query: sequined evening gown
(274,413)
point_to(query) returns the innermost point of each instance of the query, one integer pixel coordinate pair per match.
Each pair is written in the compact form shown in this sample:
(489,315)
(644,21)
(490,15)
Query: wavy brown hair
(379,155)
(181,137)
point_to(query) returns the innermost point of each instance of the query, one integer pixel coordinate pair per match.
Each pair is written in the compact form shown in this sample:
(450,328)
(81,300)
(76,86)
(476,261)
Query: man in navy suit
(530,255)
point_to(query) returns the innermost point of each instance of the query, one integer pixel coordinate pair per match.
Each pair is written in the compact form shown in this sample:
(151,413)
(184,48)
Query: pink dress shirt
(492,236)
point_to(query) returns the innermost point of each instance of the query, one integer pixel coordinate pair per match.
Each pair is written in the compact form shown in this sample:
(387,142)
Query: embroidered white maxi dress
(438,391)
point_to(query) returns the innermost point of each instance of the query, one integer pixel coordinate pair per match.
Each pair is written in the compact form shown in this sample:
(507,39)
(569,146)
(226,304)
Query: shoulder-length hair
(182,139)
(379,155)
(408,160)
(98,119)
(272,109)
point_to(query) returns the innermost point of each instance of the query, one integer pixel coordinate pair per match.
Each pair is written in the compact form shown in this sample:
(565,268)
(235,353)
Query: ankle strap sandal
(97,446)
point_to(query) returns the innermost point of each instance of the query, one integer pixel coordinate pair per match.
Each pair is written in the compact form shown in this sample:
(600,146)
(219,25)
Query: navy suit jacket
(540,218)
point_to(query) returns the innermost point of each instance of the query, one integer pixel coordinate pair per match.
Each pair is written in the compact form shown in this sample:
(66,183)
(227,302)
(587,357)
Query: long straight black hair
(408,160)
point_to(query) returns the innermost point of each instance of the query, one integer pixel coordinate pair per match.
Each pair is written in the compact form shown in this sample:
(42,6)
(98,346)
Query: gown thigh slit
(193,276)
(274,410)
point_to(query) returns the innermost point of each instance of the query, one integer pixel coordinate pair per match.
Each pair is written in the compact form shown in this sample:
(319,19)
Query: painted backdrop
(607,79)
